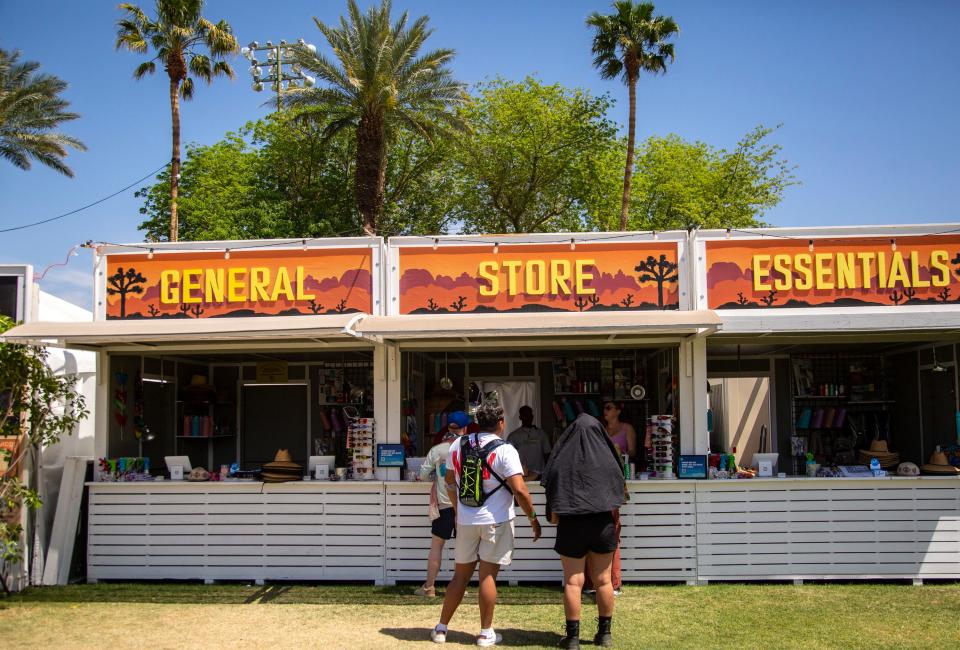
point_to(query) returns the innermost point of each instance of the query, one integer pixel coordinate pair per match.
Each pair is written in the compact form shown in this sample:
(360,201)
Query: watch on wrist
(532,516)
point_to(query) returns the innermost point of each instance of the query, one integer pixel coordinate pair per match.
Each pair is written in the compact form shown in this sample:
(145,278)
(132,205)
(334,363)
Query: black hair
(488,416)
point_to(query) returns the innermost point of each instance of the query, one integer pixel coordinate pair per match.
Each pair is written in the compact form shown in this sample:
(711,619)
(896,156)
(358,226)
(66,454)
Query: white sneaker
(487,641)
(437,636)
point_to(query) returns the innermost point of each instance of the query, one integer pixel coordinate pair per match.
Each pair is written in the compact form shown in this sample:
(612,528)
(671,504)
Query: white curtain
(513,395)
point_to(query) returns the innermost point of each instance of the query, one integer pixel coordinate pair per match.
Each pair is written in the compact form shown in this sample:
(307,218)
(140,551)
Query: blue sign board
(693,466)
(390,455)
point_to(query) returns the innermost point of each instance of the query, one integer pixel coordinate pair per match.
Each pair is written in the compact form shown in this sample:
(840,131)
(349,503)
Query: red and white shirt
(505,461)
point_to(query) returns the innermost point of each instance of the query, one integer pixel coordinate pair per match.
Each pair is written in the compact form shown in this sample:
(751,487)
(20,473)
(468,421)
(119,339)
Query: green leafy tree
(627,42)
(380,84)
(535,158)
(176,36)
(30,108)
(680,184)
(283,177)
(37,406)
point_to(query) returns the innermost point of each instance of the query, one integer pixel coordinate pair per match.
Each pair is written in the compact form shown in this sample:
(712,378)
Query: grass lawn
(165,615)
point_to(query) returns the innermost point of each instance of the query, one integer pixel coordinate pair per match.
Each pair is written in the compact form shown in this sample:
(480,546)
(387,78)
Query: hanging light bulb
(304,245)
(226,254)
(728,233)
(496,247)
(573,244)
(655,235)
(893,244)
(150,254)
(810,245)
(436,242)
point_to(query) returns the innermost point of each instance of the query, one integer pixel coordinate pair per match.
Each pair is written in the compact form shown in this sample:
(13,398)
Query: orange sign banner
(772,273)
(539,277)
(250,283)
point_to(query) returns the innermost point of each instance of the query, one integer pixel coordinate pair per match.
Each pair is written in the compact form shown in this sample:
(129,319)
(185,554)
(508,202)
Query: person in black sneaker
(584,484)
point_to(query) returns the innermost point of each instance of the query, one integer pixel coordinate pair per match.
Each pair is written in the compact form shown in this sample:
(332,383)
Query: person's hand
(535,525)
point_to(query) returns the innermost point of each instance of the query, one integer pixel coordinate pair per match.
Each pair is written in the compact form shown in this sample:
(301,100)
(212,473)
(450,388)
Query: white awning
(163,331)
(594,323)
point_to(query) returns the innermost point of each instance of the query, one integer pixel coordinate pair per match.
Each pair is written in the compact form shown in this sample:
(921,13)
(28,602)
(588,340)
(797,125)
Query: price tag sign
(693,466)
(390,455)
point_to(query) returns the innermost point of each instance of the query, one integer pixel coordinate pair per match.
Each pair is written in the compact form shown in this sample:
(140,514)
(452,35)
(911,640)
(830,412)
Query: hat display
(880,451)
(908,469)
(198,474)
(938,465)
(282,469)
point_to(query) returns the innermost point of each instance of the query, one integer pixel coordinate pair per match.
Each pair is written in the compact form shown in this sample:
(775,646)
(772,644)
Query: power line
(89,205)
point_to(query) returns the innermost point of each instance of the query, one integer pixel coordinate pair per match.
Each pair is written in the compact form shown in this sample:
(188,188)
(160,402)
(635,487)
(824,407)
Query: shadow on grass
(511,636)
(273,594)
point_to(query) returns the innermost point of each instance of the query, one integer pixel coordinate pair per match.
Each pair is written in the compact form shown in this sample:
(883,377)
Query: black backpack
(473,460)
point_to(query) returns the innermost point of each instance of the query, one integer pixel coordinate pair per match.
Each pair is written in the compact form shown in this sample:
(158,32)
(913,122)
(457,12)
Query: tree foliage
(38,407)
(536,157)
(30,109)
(380,84)
(680,184)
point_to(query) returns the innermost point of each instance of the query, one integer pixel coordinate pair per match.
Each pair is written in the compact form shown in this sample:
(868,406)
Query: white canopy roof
(156,331)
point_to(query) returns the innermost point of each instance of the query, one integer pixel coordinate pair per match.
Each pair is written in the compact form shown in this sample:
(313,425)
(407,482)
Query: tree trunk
(371,172)
(175,158)
(631,135)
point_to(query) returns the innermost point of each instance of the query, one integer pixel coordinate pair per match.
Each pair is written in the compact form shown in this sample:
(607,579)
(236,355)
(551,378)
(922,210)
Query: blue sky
(867,92)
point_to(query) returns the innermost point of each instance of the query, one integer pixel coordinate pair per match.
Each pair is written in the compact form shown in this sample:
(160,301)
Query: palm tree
(379,84)
(176,34)
(30,107)
(630,41)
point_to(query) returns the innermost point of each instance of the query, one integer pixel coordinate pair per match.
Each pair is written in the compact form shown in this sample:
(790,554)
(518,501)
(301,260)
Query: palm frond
(186,89)
(149,67)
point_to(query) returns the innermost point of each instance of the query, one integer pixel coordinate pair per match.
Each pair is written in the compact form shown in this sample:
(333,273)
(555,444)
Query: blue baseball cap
(458,418)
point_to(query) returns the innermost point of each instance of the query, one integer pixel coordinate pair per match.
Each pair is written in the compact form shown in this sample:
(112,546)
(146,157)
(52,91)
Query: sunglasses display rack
(661,434)
(360,434)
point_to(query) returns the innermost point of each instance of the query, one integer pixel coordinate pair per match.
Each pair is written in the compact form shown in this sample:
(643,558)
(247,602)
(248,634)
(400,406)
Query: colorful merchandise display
(360,435)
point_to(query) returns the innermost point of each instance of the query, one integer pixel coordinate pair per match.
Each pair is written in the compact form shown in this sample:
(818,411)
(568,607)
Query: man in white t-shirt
(484,533)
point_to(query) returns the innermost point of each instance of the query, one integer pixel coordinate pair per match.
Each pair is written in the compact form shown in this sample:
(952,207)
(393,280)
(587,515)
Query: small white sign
(322,472)
(176,472)
(765,468)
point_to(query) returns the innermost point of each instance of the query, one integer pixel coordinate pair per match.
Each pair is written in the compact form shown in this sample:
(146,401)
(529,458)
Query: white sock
(441,627)
(489,633)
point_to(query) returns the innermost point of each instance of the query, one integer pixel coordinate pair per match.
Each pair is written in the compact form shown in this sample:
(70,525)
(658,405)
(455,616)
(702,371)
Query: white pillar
(694,437)
(386,402)
(101,407)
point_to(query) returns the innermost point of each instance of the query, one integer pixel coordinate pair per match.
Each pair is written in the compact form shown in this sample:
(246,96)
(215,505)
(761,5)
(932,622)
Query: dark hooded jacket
(583,474)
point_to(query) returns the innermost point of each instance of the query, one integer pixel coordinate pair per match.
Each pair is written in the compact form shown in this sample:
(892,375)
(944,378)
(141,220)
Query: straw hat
(880,451)
(282,469)
(938,465)
(879,446)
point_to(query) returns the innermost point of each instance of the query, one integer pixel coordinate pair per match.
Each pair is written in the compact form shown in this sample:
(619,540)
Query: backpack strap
(484,452)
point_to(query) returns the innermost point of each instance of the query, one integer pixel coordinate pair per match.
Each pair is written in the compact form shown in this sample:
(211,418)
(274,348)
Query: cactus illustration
(909,293)
(580,302)
(431,305)
(341,306)
(314,307)
(153,311)
(896,297)
(594,300)
(195,310)
(944,294)
(741,299)
(770,298)
(626,302)
(460,303)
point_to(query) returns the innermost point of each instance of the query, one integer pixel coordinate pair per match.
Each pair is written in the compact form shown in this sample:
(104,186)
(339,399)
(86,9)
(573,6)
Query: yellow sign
(272,372)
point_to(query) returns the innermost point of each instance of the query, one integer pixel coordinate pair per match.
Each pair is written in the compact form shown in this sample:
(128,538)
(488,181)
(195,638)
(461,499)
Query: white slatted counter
(236,531)
(828,528)
(756,529)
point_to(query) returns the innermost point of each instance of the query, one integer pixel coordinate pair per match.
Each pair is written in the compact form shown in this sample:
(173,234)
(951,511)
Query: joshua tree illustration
(196,310)
(431,305)
(123,282)
(944,294)
(460,303)
(909,293)
(659,271)
(580,302)
(314,307)
(342,305)
(770,298)
(154,312)
(896,297)
(626,302)
(741,299)
(594,300)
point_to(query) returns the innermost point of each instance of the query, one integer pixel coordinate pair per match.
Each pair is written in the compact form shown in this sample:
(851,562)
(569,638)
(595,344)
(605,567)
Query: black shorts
(445,526)
(577,534)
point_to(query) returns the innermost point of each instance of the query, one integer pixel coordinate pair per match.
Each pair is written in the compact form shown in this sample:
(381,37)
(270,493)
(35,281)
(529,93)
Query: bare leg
(600,564)
(572,586)
(488,593)
(433,561)
(455,590)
